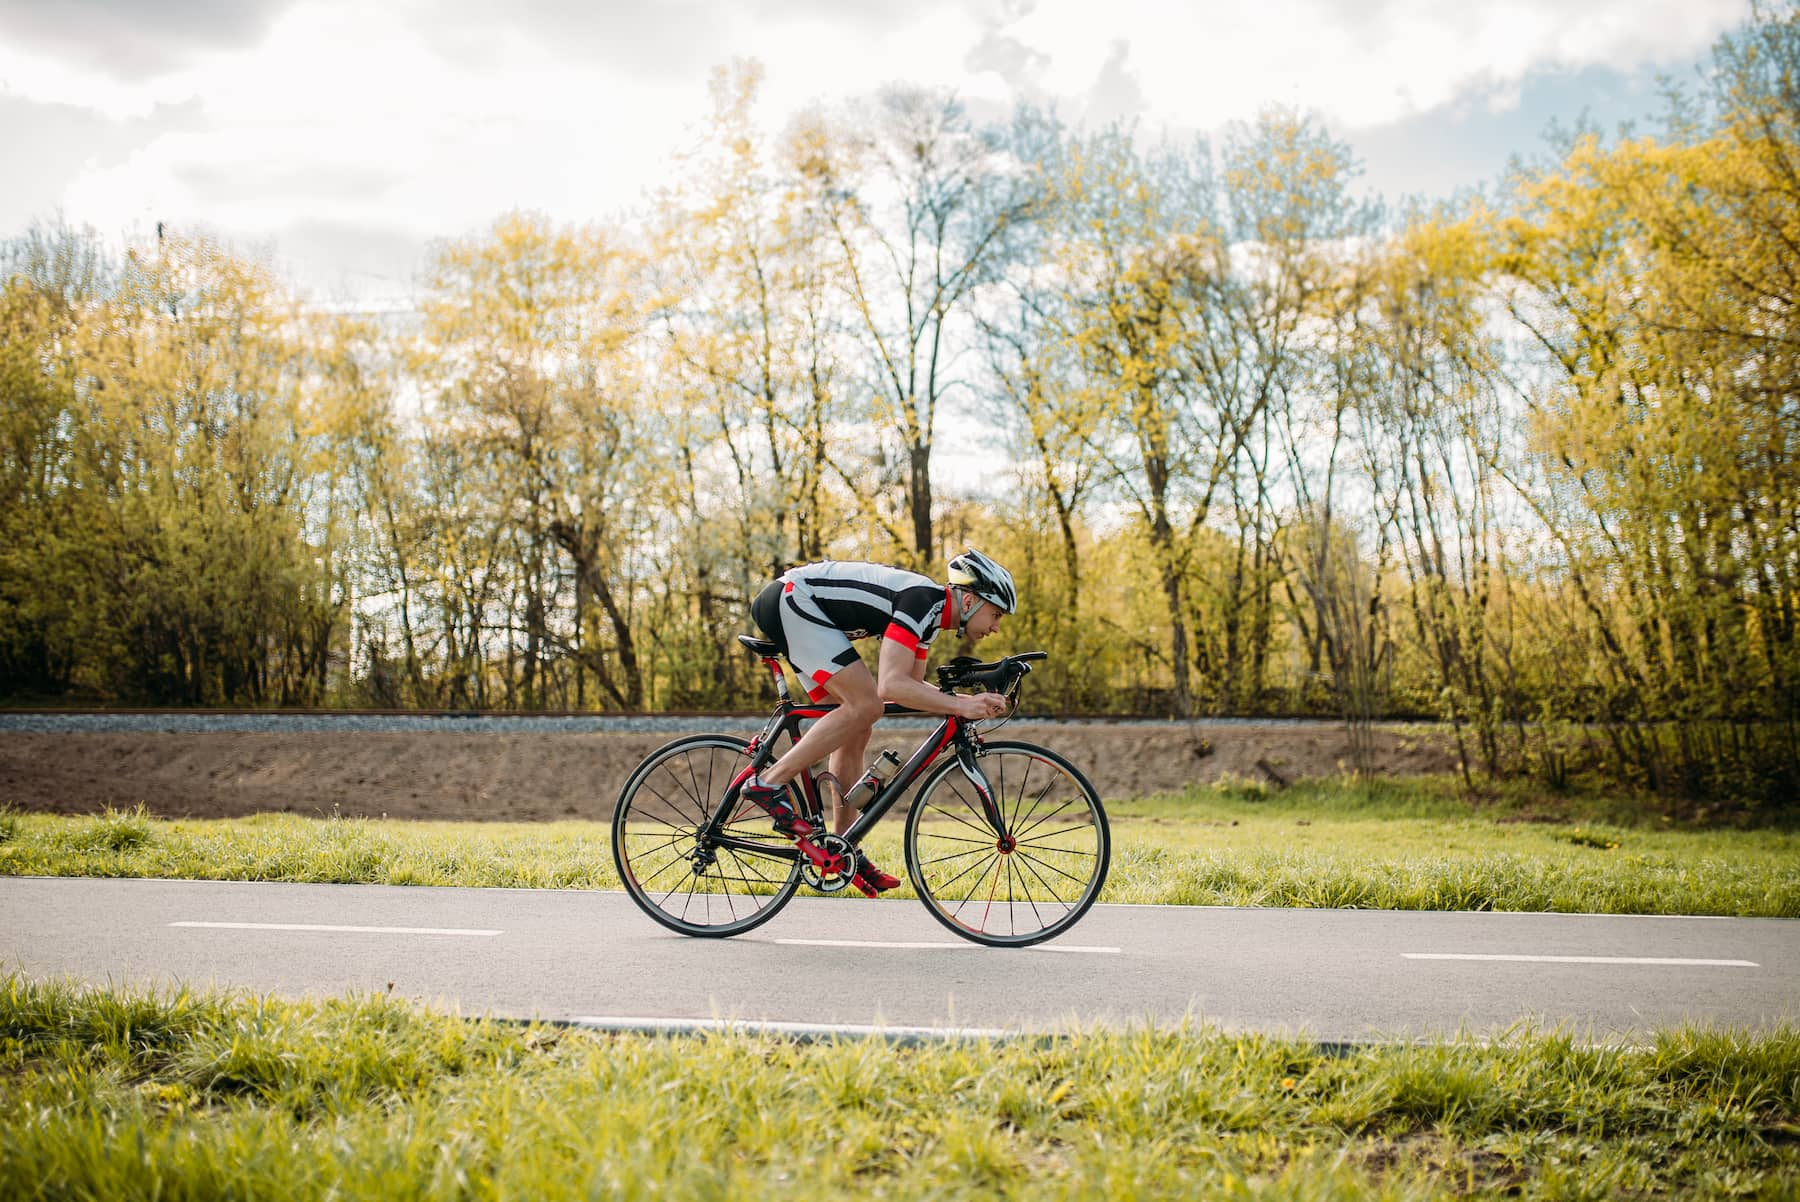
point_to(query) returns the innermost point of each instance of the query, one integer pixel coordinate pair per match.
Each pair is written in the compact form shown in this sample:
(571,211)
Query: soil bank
(538,777)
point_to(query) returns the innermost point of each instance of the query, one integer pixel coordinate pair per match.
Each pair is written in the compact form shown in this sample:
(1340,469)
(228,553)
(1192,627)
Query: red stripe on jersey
(901,635)
(949,618)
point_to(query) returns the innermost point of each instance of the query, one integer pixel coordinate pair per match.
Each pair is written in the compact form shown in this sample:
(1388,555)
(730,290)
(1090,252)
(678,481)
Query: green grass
(138,1095)
(1405,845)
(1421,845)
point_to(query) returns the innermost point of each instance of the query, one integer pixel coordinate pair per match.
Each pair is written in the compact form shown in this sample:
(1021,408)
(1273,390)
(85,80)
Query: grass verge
(128,1095)
(1410,845)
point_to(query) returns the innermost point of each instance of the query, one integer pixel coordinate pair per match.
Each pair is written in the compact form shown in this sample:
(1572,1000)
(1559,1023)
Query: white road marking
(1670,960)
(314,926)
(940,946)
(687,1026)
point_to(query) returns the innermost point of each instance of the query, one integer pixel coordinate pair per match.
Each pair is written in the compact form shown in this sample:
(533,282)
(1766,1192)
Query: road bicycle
(1007,843)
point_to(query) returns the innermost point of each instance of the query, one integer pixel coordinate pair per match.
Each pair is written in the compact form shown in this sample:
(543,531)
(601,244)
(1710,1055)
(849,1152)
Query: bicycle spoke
(1030,884)
(747,866)
(1061,851)
(942,838)
(1085,826)
(1032,902)
(700,795)
(957,855)
(679,838)
(982,827)
(718,887)
(945,887)
(1014,822)
(1060,872)
(974,893)
(1073,801)
(1048,887)
(677,861)
(674,806)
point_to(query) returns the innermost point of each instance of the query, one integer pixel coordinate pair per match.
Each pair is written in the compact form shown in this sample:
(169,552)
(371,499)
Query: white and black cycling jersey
(813,612)
(864,599)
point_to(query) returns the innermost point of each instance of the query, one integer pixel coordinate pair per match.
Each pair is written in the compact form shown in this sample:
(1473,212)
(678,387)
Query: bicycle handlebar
(1001,676)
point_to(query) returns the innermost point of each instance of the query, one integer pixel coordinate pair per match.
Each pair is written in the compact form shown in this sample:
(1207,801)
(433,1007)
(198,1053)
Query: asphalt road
(1331,975)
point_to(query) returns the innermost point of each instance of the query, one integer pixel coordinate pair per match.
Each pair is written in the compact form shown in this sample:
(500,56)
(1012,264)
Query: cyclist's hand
(983,705)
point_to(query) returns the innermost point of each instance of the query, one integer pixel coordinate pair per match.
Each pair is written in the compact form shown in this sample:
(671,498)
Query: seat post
(781,689)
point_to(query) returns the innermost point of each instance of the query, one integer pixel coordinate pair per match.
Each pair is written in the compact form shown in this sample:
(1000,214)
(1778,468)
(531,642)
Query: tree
(531,333)
(921,204)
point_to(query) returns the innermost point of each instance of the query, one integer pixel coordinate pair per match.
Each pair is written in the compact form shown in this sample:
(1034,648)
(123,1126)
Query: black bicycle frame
(788,715)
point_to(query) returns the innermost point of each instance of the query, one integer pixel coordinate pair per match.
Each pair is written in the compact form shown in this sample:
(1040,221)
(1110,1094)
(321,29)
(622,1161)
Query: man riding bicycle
(814,612)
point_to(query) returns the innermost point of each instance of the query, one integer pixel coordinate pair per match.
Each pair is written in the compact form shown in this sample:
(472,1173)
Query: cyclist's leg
(846,764)
(859,705)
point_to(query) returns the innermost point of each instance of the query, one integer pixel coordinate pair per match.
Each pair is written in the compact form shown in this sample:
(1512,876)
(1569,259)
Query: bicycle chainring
(838,846)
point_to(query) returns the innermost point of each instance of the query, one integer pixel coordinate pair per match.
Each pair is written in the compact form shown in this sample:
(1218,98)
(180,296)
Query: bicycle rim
(656,846)
(1009,896)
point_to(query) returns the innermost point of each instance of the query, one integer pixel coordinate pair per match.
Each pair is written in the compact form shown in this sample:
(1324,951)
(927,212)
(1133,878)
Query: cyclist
(814,612)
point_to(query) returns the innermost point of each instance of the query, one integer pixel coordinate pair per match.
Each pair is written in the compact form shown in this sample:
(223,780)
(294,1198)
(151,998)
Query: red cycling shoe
(772,800)
(870,879)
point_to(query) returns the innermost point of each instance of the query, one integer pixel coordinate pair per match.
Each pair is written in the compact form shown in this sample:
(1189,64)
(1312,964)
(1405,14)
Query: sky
(342,137)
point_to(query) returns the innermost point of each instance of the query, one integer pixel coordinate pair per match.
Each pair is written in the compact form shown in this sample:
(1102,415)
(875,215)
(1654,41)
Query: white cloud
(430,117)
(1357,64)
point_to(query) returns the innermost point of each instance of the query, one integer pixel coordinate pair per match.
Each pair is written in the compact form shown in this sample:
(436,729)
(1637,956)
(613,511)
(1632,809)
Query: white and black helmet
(986,579)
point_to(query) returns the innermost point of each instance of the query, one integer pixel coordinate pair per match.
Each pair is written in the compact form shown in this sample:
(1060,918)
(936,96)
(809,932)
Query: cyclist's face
(984,621)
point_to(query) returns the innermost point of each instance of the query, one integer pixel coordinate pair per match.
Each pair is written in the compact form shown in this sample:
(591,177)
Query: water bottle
(879,773)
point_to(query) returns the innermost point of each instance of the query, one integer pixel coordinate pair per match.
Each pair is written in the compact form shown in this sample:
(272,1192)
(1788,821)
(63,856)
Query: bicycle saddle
(762,647)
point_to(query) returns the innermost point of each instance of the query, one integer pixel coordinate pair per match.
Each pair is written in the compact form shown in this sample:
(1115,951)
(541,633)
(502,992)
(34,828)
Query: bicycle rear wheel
(1028,887)
(714,890)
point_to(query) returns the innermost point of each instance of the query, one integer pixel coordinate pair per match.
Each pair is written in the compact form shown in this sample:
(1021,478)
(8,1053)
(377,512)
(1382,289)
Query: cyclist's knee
(866,708)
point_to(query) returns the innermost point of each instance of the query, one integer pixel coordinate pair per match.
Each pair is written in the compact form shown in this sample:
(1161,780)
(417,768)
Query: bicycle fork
(990,806)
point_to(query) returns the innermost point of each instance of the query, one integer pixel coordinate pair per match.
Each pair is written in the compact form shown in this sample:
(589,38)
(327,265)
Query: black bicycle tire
(1051,931)
(635,890)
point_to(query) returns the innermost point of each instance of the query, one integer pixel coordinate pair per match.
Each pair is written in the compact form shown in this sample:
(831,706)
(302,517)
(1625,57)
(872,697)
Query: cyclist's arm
(900,679)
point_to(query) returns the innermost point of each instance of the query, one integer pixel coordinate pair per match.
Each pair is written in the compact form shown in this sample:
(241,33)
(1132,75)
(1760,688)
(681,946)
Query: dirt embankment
(534,777)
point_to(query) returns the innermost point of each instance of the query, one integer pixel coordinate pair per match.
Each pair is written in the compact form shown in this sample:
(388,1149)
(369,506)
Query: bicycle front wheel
(720,887)
(1026,886)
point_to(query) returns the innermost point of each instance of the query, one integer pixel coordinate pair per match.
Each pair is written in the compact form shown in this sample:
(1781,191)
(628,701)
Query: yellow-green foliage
(1252,446)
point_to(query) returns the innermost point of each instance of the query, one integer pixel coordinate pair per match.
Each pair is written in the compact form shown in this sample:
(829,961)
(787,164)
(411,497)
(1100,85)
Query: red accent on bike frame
(824,861)
(744,774)
(950,721)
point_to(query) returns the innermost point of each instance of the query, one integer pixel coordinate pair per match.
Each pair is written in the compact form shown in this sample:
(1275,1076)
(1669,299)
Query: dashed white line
(1664,960)
(315,926)
(942,946)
